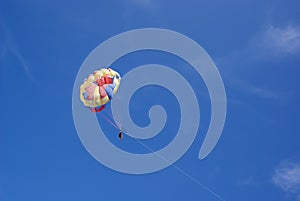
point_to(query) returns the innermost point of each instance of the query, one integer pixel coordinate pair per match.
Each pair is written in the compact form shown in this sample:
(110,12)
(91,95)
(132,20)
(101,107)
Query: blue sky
(256,47)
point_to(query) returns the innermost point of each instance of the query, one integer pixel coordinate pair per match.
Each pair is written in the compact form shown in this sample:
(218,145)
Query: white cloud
(287,177)
(285,39)
(275,40)
(9,46)
(270,43)
(14,51)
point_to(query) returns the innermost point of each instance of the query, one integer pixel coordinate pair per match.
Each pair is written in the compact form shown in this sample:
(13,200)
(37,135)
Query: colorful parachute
(99,88)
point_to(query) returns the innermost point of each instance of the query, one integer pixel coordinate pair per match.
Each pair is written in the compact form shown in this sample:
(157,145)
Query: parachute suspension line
(109,121)
(181,171)
(119,113)
(113,119)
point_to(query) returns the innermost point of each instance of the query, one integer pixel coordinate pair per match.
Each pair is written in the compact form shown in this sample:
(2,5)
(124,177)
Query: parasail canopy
(99,88)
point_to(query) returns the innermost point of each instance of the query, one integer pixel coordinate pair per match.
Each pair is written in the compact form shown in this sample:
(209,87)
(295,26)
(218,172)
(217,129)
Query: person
(120,135)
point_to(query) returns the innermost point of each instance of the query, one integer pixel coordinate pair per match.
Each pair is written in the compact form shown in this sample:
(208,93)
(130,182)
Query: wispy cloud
(23,63)
(249,181)
(269,43)
(277,40)
(287,177)
(9,46)
(251,87)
